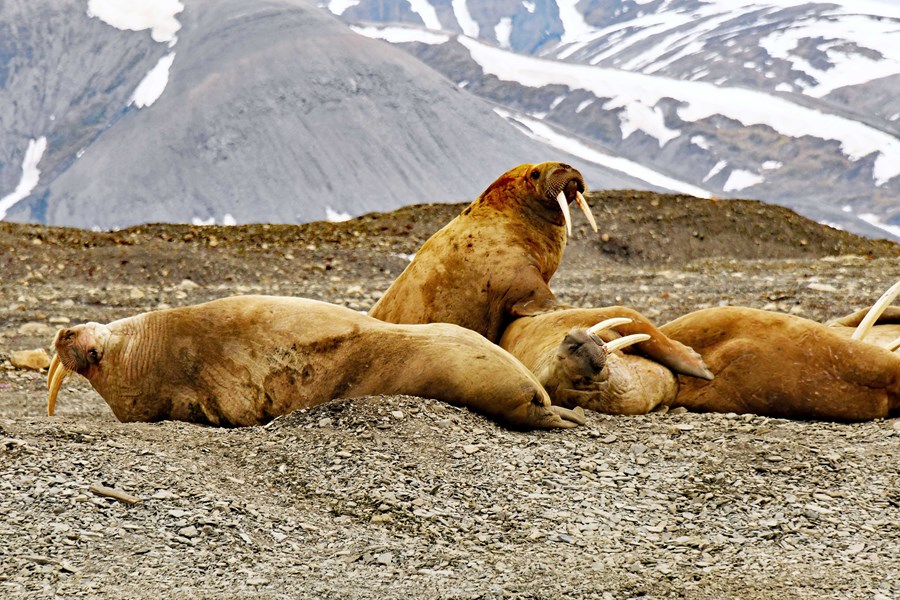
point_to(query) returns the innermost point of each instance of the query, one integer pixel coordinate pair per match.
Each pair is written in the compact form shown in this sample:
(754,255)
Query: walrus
(244,360)
(493,262)
(763,362)
(611,360)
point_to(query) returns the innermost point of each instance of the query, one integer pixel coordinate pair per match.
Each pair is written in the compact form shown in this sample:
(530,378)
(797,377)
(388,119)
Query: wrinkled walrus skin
(780,365)
(491,263)
(247,359)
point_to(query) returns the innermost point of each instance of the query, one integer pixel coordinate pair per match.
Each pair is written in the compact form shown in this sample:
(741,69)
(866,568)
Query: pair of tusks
(56,374)
(872,316)
(582,204)
(622,342)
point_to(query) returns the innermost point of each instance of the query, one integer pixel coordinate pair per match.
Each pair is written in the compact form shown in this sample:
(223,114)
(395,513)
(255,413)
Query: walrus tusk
(564,206)
(627,340)
(879,307)
(609,324)
(56,374)
(586,209)
(895,345)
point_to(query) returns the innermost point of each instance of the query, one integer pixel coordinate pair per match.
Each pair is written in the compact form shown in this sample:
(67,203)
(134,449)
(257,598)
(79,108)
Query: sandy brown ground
(406,497)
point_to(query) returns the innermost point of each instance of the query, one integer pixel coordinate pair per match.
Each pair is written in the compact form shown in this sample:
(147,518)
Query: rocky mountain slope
(792,102)
(231,111)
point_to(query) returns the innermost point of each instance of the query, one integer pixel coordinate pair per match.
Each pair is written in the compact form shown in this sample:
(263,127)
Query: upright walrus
(491,263)
(247,359)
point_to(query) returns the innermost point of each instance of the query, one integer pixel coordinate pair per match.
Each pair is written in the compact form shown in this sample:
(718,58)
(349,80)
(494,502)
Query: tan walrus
(491,263)
(247,359)
(764,363)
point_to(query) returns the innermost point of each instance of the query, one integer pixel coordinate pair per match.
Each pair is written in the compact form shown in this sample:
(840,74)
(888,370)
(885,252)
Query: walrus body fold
(245,360)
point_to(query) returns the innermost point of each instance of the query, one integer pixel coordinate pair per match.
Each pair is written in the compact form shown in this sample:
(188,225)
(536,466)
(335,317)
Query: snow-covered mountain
(789,101)
(231,111)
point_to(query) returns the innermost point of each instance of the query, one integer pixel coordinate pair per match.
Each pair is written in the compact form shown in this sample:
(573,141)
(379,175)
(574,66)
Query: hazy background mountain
(240,111)
(277,110)
(793,102)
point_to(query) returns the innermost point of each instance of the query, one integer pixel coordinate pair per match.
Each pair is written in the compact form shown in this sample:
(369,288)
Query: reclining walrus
(764,363)
(247,359)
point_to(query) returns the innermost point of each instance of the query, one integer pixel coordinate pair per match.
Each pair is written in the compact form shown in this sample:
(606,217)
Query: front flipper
(660,347)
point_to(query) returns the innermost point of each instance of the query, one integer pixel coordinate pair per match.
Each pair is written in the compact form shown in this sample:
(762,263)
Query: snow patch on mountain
(30,175)
(426,12)
(740,179)
(468,25)
(544,133)
(400,34)
(875,221)
(339,7)
(636,92)
(334,216)
(154,83)
(137,15)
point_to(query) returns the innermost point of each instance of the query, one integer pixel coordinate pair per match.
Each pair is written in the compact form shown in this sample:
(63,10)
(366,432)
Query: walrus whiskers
(625,341)
(872,316)
(564,207)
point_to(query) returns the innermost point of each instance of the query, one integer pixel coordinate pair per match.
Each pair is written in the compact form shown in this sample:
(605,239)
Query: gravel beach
(395,496)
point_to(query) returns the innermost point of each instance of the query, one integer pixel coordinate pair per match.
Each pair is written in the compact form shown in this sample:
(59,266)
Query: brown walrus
(247,359)
(764,363)
(491,263)
(575,354)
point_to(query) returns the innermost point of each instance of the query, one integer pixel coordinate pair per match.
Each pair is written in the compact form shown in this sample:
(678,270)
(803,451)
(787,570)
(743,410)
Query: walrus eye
(535,174)
(93,356)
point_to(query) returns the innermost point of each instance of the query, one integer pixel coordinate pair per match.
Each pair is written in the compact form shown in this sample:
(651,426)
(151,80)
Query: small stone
(60,320)
(385,558)
(189,532)
(255,580)
(136,294)
(397,414)
(34,328)
(822,287)
(187,284)
(471,448)
(896,425)
(326,422)
(678,410)
(30,359)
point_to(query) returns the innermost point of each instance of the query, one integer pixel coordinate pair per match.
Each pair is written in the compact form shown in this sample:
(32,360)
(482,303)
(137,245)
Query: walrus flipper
(678,357)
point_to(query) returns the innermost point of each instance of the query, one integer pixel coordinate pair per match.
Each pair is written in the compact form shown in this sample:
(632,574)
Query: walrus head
(551,185)
(79,350)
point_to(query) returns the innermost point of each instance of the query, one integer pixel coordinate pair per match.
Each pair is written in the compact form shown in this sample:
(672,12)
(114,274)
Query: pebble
(34,360)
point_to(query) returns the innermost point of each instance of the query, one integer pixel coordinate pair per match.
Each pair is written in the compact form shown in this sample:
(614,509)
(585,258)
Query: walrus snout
(583,357)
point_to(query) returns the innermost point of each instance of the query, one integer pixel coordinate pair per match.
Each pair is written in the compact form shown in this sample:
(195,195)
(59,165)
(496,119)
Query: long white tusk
(628,340)
(564,206)
(54,365)
(609,324)
(872,316)
(894,346)
(586,209)
(55,377)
